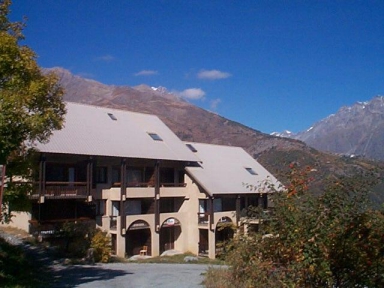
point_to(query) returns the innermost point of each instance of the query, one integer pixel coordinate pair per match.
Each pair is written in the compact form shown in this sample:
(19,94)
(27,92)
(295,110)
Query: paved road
(122,275)
(130,275)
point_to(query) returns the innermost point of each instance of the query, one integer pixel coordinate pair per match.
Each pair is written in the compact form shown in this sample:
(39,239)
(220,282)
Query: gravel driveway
(130,275)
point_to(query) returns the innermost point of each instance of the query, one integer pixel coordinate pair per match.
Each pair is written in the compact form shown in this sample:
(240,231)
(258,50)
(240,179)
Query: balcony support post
(157,196)
(89,177)
(238,210)
(211,214)
(123,191)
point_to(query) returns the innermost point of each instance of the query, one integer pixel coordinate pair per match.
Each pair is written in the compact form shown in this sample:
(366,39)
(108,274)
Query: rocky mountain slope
(356,130)
(192,123)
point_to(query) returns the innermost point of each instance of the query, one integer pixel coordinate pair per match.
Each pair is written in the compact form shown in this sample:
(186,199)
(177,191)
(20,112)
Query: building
(130,175)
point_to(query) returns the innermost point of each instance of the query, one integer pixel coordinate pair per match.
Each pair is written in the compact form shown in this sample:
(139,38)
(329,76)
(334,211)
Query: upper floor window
(101,175)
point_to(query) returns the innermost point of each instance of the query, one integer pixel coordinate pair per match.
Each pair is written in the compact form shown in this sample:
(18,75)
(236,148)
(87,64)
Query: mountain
(357,130)
(192,123)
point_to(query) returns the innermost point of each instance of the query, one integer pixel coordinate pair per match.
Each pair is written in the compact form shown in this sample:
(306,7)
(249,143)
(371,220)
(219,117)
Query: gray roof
(224,170)
(90,130)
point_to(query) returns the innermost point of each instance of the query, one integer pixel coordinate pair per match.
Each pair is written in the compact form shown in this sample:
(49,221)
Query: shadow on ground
(71,276)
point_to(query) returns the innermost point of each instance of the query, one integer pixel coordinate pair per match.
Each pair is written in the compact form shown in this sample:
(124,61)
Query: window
(115,174)
(113,117)
(132,207)
(167,176)
(101,175)
(251,171)
(217,205)
(115,208)
(155,136)
(100,207)
(134,177)
(193,149)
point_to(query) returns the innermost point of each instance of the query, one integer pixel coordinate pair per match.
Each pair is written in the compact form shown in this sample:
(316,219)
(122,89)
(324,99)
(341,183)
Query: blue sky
(271,65)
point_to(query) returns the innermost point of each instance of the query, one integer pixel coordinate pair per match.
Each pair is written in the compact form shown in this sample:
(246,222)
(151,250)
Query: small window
(155,137)
(101,175)
(193,149)
(113,117)
(251,171)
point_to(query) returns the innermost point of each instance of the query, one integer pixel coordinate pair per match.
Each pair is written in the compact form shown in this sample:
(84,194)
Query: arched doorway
(169,233)
(137,236)
(223,233)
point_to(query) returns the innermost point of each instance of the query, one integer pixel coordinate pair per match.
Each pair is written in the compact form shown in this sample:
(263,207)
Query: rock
(190,259)
(90,259)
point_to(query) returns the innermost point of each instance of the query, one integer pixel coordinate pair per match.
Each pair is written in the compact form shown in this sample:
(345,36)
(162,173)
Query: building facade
(129,174)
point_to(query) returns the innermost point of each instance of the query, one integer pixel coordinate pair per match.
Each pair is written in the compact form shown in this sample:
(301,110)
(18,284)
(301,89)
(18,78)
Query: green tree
(31,105)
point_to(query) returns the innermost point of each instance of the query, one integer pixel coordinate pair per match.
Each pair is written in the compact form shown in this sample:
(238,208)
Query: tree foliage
(30,101)
(330,240)
(31,105)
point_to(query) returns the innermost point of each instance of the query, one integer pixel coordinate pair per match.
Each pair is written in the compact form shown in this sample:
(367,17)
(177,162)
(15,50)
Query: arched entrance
(223,233)
(169,233)
(137,236)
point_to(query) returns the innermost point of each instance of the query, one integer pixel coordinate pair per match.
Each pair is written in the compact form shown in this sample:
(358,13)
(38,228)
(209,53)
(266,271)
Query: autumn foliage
(335,239)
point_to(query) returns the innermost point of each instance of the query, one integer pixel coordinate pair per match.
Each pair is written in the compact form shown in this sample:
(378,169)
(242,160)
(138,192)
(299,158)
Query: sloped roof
(226,170)
(92,130)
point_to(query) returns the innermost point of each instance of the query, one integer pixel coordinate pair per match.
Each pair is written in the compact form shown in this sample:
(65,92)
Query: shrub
(329,240)
(101,243)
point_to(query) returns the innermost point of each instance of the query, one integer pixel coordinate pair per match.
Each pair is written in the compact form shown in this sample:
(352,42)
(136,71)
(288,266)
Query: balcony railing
(149,184)
(66,189)
(55,189)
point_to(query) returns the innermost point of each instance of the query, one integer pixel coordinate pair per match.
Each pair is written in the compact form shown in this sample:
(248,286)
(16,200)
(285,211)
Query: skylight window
(251,171)
(193,149)
(113,117)
(155,137)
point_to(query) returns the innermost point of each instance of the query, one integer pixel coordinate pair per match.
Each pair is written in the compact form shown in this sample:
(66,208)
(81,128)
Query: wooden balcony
(61,190)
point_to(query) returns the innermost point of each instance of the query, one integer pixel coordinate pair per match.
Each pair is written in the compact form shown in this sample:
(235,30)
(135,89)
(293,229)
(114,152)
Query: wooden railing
(149,184)
(56,189)
(66,189)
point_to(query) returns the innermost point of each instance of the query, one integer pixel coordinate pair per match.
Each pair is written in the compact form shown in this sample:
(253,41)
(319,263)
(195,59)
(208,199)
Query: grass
(17,270)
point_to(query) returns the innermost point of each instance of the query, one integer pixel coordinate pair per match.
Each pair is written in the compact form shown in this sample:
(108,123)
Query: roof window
(193,149)
(113,117)
(155,136)
(251,171)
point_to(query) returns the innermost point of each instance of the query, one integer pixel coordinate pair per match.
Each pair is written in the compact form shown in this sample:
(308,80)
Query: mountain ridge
(356,130)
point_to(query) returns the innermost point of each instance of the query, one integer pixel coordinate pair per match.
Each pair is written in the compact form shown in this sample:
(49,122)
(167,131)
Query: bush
(329,240)
(101,243)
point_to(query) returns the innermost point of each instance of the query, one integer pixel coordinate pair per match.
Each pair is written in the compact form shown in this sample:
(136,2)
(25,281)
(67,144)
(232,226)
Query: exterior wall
(20,220)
